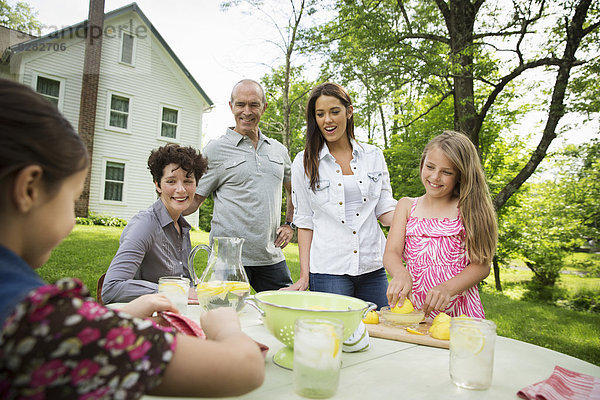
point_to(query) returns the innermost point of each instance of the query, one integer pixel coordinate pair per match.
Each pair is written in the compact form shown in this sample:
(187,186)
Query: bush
(104,220)
(584,300)
(536,291)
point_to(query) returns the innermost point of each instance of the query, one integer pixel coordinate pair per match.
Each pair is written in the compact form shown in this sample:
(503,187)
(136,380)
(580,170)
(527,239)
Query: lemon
(336,340)
(406,307)
(441,330)
(238,287)
(441,317)
(467,340)
(414,332)
(171,287)
(371,318)
(210,289)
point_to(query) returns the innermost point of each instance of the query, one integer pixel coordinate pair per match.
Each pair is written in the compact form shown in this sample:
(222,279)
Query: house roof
(14,49)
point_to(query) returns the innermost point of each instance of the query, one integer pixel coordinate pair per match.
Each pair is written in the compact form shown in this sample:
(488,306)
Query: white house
(145,99)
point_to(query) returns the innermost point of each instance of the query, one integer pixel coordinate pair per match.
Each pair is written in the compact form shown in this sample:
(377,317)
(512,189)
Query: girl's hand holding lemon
(399,287)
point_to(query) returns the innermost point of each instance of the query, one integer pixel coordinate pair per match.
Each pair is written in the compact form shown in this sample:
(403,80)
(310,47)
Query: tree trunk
(460,19)
(385,141)
(286,135)
(575,33)
(497,273)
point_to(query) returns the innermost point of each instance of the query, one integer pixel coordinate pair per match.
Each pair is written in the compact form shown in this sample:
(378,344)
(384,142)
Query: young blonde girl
(55,341)
(447,237)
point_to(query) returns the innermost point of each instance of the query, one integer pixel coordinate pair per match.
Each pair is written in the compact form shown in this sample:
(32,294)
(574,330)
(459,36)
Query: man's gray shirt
(246,187)
(150,247)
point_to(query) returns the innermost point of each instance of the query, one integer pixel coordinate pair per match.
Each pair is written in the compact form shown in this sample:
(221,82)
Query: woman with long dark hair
(340,189)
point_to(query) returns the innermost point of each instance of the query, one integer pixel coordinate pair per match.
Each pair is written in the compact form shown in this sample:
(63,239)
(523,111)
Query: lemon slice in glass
(467,340)
(170,287)
(336,340)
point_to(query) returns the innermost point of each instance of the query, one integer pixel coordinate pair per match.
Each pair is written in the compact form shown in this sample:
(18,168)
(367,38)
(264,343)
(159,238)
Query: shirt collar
(18,279)
(164,218)
(357,150)
(236,137)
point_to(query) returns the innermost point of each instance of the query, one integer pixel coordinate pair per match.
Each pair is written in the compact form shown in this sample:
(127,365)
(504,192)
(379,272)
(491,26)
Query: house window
(127,47)
(119,112)
(49,89)
(168,127)
(114,180)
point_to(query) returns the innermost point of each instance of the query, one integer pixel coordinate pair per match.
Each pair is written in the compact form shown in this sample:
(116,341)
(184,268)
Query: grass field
(88,250)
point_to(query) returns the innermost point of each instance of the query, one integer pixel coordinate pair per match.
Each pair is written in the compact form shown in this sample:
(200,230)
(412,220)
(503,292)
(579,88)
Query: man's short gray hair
(264,98)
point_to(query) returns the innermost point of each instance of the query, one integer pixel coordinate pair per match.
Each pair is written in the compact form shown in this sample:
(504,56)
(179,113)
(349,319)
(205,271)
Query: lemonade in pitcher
(214,294)
(224,282)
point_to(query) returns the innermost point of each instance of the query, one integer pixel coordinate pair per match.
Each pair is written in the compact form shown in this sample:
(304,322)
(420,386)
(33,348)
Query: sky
(221,47)
(218,48)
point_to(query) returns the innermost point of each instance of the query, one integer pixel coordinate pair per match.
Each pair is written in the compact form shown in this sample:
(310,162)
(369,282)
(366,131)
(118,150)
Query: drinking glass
(176,289)
(317,357)
(472,343)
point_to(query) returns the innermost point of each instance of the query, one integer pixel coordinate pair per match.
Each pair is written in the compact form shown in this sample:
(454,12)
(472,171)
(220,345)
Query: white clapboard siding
(154,80)
(65,65)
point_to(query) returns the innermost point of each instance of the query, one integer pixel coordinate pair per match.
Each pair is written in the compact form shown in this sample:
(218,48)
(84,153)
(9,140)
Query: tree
(21,17)
(276,119)
(580,187)
(472,52)
(287,43)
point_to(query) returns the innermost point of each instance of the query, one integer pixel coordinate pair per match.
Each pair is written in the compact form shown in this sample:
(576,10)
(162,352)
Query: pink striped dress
(434,252)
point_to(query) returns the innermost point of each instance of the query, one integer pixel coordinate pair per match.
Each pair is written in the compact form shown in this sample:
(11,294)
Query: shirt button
(340,203)
(339,184)
(364,199)
(353,167)
(359,181)
(357,214)
(355,251)
(337,170)
(354,232)
(343,222)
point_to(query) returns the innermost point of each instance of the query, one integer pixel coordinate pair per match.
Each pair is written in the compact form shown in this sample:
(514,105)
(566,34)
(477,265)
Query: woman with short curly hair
(156,242)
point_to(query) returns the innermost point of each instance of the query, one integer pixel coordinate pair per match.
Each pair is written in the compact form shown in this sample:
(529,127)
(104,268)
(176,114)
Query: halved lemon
(467,340)
(406,307)
(414,332)
(371,318)
(441,317)
(441,330)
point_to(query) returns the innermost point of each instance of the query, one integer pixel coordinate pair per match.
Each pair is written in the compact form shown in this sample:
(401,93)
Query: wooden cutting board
(385,331)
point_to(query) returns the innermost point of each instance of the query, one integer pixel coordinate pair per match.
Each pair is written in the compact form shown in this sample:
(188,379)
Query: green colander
(280,309)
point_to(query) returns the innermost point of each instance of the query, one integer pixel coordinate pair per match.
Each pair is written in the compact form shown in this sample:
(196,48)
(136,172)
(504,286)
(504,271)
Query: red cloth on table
(563,384)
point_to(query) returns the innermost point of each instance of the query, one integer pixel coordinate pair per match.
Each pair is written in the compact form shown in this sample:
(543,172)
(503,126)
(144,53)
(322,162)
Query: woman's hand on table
(145,306)
(301,284)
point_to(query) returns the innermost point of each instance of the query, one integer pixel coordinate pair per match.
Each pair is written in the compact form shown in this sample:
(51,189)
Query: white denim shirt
(339,247)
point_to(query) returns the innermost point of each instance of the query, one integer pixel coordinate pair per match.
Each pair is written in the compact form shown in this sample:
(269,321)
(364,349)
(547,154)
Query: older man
(246,171)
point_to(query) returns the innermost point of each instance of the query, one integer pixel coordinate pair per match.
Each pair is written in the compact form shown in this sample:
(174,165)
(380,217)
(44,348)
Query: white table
(393,370)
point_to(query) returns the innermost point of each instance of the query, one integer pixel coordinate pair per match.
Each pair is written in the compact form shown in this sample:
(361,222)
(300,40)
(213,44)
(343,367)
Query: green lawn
(88,250)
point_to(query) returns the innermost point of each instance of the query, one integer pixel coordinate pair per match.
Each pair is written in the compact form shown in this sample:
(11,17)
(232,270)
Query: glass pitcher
(224,282)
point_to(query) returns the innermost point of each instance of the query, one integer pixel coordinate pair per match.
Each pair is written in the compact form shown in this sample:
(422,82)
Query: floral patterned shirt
(58,343)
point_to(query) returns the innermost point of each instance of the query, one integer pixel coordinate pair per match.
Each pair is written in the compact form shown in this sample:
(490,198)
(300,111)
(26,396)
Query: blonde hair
(474,200)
